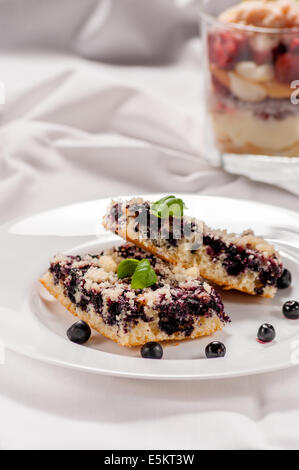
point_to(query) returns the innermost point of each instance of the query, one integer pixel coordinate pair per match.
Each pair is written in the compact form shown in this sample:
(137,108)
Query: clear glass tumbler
(251,98)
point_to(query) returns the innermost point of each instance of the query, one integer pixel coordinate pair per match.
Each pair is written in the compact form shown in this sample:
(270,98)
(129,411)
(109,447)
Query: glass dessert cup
(251,80)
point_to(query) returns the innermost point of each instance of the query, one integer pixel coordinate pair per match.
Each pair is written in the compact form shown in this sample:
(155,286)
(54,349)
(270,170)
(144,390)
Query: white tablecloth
(74,129)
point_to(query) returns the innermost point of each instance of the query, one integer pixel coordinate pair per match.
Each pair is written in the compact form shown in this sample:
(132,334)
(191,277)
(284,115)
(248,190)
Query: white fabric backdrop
(74,129)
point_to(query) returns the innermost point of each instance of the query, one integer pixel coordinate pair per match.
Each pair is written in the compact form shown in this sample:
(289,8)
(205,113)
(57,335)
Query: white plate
(34,324)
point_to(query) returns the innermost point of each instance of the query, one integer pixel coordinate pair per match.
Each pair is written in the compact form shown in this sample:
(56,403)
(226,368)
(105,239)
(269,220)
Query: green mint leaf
(144,275)
(127,268)
(168,206)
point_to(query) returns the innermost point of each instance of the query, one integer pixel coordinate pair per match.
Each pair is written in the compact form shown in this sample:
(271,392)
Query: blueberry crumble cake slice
(178,306)
(243,262)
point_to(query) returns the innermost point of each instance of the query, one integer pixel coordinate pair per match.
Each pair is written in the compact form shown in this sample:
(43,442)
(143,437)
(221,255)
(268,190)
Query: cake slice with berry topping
(161,302)
(243,262)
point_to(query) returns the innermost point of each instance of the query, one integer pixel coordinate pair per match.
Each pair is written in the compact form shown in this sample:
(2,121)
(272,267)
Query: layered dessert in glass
(253,67)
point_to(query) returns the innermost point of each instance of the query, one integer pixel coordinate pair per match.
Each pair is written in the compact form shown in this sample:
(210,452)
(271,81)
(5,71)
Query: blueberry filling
(130,314)
(171,321)
(114,310)
(156,286)
(236,260)
(215,245)
(73,281)
(97,301)
(60,272)
(130,251)
(71,285)
(115,212)
(55,269)
(151,227)
(177,315)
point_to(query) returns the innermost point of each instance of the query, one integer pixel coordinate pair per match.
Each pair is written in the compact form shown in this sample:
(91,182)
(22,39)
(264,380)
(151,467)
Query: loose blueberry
(285,280)
(152,350)
(79,332)
(266,333)
(291,310)
(215,349)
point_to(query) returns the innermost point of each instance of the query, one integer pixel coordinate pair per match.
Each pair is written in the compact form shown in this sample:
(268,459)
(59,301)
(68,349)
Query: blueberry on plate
(152,350)
(79,332)
(266,333)
(285,280)
(215,349)
(291,310)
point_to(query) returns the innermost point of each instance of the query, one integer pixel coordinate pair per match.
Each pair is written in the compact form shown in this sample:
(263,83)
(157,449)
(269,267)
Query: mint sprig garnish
(127,268)
(168,206)
(143,275)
